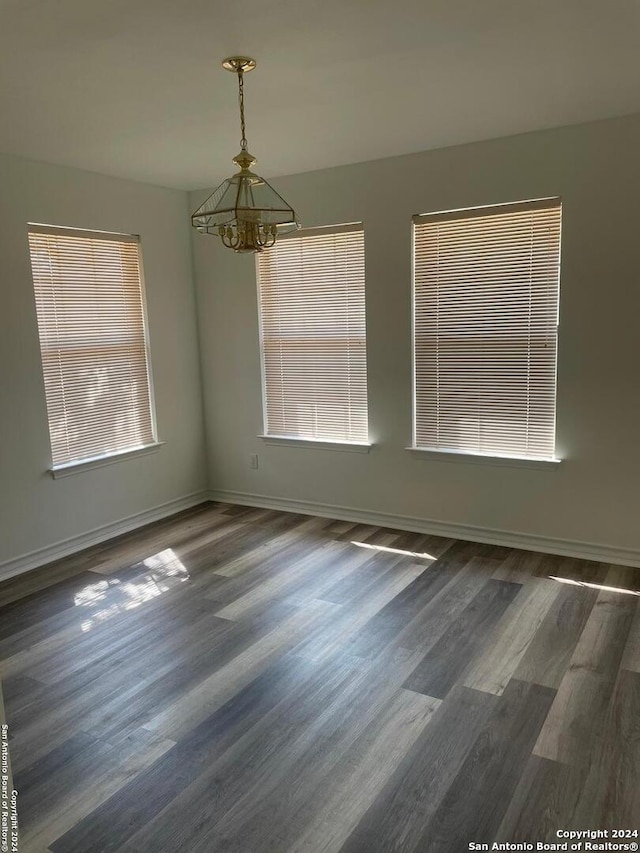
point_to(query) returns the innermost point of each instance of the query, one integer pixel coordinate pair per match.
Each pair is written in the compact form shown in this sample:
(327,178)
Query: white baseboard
(525,541)
(547,545)
(33,559)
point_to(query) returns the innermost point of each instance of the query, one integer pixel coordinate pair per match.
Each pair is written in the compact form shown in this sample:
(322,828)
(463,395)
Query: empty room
(319,403)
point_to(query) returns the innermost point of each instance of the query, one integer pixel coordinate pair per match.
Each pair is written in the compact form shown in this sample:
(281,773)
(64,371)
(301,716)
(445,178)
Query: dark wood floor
(244,680)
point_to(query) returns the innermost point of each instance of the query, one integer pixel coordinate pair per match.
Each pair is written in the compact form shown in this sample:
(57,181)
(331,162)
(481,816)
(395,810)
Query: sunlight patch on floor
(599,586)
(387,549)
(112,596)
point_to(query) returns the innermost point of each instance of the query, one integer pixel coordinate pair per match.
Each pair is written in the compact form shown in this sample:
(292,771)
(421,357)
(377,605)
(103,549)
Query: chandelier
(245,211)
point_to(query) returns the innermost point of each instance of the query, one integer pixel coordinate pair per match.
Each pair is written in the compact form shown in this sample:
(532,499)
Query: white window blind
(91,322)
(312,317)
(486,289)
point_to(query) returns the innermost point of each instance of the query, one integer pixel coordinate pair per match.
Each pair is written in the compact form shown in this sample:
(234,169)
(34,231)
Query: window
(95,360)
(486,288)
(312,325)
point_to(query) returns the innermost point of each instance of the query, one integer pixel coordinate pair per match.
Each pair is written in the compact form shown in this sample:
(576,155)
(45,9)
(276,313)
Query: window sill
(316,443)
(70,468)
(434,455)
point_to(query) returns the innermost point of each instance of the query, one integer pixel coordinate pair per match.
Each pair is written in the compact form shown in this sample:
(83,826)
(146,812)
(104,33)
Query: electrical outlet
(253,460)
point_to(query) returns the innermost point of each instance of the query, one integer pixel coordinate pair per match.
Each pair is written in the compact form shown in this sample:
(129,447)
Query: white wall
(35,510)
(593,496)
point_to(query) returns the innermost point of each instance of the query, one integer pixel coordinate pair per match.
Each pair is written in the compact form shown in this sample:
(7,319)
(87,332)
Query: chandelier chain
(243,141)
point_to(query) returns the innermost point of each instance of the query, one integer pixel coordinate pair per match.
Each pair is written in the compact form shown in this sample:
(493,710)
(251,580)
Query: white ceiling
(134,87)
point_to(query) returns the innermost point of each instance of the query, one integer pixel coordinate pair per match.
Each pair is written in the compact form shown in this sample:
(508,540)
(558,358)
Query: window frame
(308,441)
(470,456)
(79,465)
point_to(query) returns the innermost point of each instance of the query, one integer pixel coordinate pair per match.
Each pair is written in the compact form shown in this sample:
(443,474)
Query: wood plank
(463,641)
(209,695)
(252,762)
(251,557)
(542,803)
(610,795)
(98,646)
(102,704)
(362,772)
(355,584)
(149,792)
(314,764)
(578,711)
(42,604)
(475,804)
(512,636)
(520,566)
(572,568)
(599,792)
(462,580)
(397,817)
(64,792)
(547,656)
(395,617)
(299,580)
(338,633)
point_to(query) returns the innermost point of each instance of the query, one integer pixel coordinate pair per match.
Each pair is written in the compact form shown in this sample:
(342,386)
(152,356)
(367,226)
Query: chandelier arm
(230,239)
(265,238)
